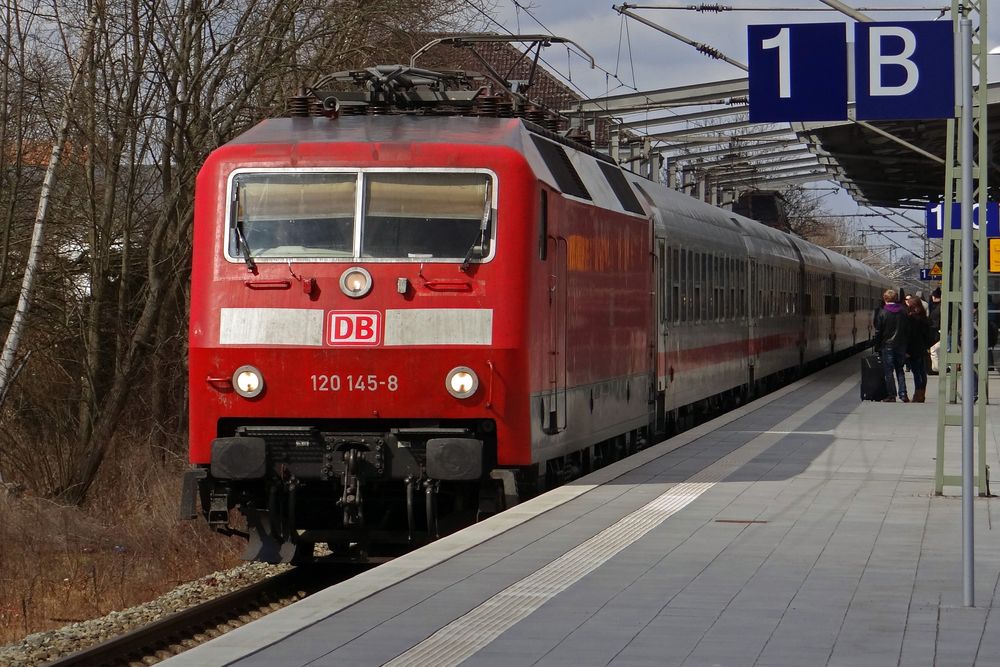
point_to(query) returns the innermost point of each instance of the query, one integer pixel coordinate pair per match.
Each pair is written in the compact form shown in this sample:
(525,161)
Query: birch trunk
(13,340)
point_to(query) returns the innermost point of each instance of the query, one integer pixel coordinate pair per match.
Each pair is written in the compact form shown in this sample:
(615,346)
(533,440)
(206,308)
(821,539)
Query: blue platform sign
(935,219)
(798,72)
(904,70)
(925,274)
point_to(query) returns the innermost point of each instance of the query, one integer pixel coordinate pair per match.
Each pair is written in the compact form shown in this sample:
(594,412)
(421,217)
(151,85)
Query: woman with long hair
(917,345)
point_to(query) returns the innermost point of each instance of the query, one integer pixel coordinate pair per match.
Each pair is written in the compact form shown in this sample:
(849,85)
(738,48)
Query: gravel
(45,646)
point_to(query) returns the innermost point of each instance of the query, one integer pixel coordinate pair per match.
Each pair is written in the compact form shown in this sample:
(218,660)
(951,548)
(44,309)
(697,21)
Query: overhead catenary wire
(914,225)
(717,8)
(631,60)
(569,80)
(893,241)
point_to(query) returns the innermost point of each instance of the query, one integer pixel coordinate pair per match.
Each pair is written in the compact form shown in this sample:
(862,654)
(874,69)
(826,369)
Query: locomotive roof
(421,129)
(564,165)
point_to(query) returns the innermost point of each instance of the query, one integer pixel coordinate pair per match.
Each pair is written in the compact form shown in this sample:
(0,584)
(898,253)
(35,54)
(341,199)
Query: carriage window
(696,286)
(730,282)
(740,288)
(420,215)
(293,215)
(689,277)
(724,288)
(764,285)
(761,280)
(768,291)
(706,310)
(775,292)
(684,283)
(701,285)
(789,302)
(675,285)
(709,311)
(718,290)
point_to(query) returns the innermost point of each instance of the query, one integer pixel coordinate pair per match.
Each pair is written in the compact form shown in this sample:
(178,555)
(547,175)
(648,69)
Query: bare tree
(804,213)
(8,356)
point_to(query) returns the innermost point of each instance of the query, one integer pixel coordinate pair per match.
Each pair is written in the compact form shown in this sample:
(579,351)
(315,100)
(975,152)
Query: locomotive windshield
(420,214)
(294,214)
(413,215)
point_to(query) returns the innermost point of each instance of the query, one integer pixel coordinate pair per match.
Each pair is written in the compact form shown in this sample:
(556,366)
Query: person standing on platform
(934,318)
(891,342)
(918,343)
(920,295)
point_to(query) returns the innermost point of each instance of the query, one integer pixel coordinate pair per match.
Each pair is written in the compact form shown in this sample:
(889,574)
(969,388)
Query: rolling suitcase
(872,379)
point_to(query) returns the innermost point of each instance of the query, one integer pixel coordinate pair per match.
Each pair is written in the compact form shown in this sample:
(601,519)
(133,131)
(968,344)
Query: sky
(631,56)
(622,45)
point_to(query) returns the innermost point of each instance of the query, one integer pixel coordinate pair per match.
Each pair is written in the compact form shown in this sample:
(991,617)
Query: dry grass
(126,546)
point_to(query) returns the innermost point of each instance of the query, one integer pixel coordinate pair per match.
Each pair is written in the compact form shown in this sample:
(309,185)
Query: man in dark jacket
(934,313)
(891,340)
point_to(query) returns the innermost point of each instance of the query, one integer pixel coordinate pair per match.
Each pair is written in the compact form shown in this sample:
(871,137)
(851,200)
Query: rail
(185,629)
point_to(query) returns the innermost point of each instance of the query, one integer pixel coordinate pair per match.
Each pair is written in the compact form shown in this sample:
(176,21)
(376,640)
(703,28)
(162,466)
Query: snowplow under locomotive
(402,323)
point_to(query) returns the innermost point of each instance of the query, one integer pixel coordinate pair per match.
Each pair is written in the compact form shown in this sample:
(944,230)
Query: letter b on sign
(905,70)
(352,327)
(879,61)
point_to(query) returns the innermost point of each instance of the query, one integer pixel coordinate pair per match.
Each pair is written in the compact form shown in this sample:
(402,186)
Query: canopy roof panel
(897,164)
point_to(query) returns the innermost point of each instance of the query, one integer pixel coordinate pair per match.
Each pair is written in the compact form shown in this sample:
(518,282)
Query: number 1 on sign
(782,42)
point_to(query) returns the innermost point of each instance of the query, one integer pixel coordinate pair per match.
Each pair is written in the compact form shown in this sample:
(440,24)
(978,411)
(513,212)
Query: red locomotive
(402,322)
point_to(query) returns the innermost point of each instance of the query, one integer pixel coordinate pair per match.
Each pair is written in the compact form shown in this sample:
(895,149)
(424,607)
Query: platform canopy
(704,134)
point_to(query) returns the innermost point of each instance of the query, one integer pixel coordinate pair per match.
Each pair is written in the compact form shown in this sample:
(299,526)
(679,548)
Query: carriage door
(800,302)
(852,308)
(555,399)
(661,293)
(831,308)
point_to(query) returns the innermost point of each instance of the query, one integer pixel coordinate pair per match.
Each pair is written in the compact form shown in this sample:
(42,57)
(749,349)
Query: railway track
(182,630)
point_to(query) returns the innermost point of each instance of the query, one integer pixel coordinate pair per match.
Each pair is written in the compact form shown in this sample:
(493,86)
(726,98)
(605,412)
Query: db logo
(351,327)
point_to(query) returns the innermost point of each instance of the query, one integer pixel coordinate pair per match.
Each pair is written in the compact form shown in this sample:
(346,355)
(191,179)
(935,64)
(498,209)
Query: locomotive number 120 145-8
(353,382)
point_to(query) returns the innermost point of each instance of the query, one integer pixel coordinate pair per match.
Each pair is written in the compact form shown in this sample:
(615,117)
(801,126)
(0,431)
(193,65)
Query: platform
(798,530)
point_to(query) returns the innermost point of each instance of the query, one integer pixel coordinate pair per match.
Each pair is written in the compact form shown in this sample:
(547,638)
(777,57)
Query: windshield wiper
(480,243)
(240,239)
(251,265)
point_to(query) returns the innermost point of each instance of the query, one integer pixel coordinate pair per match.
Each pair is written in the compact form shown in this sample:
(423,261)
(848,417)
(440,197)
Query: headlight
(462,382)
(248,382)
(355,282)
